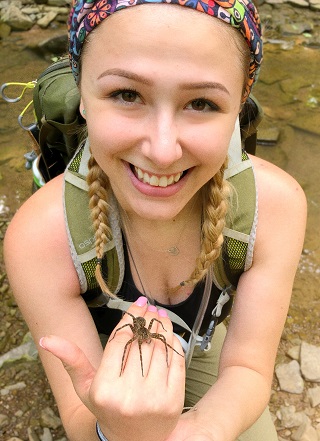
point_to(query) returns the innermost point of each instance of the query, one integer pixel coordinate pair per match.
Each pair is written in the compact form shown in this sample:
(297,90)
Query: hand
(129,406)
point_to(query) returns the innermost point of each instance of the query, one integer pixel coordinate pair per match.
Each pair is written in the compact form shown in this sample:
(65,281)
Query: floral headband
(240,14)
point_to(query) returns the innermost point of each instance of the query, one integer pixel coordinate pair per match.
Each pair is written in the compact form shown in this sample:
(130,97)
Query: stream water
(289,92)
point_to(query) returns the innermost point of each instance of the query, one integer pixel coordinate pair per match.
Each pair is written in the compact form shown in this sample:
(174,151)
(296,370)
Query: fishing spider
(142,334)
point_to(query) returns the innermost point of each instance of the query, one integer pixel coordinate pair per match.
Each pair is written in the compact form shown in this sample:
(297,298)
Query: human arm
(262,300)
(45,284)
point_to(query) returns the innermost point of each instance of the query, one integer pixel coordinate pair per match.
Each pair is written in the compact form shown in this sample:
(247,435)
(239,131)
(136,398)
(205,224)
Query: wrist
(100,433)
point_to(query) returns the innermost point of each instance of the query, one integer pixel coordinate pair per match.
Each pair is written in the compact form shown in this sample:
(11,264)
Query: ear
(82,109)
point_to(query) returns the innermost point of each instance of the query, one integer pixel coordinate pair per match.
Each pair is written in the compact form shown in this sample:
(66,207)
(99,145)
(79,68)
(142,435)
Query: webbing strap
(123,305)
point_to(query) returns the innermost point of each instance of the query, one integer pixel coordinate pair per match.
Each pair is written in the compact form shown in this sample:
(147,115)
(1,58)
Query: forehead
(177,22)
(175,40)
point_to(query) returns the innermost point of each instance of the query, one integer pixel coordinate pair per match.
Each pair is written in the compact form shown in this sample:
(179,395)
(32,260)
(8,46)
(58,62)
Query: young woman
(161,89)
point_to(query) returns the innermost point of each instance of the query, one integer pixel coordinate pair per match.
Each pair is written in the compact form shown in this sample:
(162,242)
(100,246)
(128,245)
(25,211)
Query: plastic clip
(216,313)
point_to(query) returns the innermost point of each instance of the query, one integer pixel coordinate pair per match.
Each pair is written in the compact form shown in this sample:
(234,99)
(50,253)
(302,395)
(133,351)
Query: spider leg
(124,353)
(118,329)
(140,352)
(164,341)
(155,320)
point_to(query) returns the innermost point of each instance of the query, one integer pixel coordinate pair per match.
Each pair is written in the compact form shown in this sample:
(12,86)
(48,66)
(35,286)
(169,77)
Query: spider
(142,334)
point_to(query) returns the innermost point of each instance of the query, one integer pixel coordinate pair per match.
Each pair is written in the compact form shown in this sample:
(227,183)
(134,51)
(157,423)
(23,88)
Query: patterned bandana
(241,14)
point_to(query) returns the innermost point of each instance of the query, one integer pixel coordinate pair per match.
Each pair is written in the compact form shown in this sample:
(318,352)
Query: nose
(162,144)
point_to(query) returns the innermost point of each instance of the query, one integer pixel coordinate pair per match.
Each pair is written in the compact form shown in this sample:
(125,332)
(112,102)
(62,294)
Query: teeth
(155,181)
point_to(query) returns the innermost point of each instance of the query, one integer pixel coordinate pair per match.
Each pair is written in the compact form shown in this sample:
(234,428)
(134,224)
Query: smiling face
(161,86)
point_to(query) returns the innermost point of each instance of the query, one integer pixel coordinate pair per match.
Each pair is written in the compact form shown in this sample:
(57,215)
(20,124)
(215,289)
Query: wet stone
(296,28)
(268,135)
(300,3)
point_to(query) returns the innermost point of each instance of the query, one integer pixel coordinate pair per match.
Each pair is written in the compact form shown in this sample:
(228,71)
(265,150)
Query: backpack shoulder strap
(80,229)
(240,231)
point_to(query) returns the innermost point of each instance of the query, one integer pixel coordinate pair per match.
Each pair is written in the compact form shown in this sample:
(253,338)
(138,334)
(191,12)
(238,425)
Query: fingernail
(152,308)
(41,343)
(163,313)
(142,301)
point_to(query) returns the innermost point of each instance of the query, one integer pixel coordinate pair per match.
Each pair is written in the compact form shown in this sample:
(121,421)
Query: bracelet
(99,433)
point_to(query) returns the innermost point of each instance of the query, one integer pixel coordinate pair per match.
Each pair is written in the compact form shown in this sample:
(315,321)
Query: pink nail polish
(163,313)
(152,308)
(142,301)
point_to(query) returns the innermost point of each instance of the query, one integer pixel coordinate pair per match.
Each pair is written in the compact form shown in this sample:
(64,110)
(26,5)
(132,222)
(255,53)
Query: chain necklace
(172,250)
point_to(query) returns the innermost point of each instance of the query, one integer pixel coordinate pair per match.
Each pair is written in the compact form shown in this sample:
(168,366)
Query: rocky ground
(27,408)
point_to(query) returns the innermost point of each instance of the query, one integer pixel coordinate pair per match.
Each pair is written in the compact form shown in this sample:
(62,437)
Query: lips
(156,180)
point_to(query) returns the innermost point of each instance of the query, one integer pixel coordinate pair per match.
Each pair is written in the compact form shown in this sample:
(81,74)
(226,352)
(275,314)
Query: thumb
(75,362)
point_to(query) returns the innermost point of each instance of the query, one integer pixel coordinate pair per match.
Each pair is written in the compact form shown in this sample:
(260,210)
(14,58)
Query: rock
(32,435)
(54,46)
(47,19)
(14,18)
(14,438)
(314,5)
(46,436)
(314,396)
(299,3)
(59,3)
(49,419)
(268,135)
(310,362)
(5,30)
(289,417)
(26,351)
(296,28)
(4,420)
(305,432)
(294,352)
(18,386)
(289,377)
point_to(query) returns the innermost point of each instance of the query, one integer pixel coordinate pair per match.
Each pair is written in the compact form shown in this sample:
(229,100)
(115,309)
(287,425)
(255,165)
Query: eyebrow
(125,74)
(139,78)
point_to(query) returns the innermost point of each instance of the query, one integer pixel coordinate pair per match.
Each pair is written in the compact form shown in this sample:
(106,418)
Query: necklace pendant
(174,251)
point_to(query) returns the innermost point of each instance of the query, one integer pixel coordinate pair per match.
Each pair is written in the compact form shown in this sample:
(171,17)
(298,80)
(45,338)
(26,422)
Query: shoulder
(36,239)
(277,188)
(282,209)
(42,212)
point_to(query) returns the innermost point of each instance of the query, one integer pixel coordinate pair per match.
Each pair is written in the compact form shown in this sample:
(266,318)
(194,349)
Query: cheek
(209,143)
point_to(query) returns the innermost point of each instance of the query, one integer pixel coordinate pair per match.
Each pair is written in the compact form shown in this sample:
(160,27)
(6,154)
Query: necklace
(173,250)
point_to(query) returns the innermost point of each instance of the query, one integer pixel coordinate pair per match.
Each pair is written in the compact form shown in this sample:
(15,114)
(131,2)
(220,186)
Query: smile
(157,181)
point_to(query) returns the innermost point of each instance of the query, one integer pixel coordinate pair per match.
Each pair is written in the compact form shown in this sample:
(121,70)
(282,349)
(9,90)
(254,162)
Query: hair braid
(99,188)
(215,196)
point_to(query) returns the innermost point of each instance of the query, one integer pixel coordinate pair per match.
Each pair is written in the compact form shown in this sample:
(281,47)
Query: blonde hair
(215,195)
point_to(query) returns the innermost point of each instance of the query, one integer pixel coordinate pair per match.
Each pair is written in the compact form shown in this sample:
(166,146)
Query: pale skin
(162,128)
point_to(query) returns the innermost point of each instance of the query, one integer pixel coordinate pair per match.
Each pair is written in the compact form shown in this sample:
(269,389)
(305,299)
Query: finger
(75,362)
(165,348)
(140,352)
